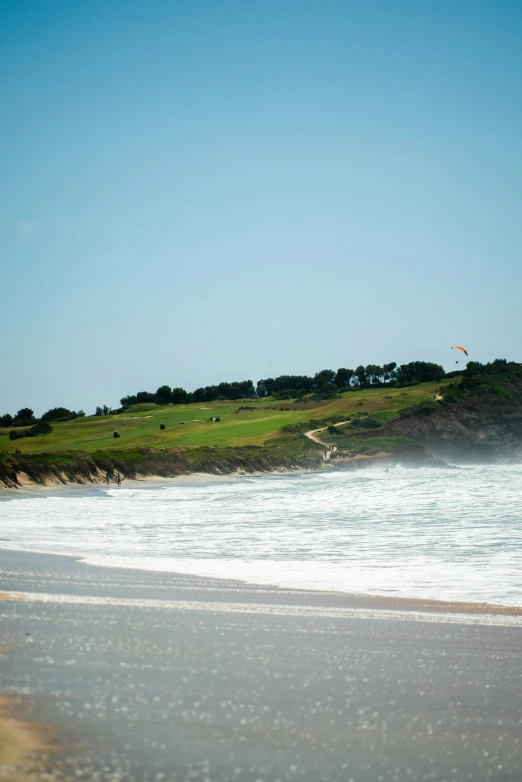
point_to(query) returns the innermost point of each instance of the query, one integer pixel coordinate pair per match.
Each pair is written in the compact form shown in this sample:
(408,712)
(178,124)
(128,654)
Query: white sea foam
(439,534)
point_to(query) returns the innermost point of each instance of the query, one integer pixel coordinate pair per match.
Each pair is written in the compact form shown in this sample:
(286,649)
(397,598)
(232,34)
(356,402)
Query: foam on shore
(404,610)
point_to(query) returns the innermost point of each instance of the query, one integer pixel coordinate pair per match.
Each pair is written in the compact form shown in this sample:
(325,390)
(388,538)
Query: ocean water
(449,534)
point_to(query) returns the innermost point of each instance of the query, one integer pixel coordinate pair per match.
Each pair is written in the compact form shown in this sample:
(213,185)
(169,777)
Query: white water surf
(427,533)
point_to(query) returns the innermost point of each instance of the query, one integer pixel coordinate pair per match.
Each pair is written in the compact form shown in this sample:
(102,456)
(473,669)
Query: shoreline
(143,482)
(125,674)
(413,457)
(327,599)
(346,464)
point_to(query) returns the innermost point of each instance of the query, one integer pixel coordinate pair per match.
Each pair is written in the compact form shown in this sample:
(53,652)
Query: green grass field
(186,425)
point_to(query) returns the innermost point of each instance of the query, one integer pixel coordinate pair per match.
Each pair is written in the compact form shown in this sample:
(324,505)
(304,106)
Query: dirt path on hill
(312,436)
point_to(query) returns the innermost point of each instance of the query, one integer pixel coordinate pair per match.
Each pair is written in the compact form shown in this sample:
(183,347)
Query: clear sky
(209,190)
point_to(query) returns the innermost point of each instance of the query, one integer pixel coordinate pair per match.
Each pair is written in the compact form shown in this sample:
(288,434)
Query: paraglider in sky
(459,347)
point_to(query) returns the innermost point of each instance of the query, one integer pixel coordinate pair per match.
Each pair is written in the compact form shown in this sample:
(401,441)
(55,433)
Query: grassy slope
(140,425)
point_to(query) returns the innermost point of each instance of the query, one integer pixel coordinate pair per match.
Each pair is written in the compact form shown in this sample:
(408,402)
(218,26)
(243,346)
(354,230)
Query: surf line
(265,609)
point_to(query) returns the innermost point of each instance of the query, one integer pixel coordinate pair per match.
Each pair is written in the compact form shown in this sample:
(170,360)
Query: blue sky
(213,190)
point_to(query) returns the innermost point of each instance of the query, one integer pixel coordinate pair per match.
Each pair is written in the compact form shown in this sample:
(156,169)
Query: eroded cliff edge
(478,418)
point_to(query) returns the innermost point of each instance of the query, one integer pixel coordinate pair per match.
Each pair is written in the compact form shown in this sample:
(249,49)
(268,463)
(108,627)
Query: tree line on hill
(327,382)
(370,376)
(242,389)
(36,426)
(499,378)
(323,385)
(26,417)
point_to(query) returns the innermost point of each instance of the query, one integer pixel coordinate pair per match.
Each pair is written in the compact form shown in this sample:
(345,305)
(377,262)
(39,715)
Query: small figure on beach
(107,478)
(118,480)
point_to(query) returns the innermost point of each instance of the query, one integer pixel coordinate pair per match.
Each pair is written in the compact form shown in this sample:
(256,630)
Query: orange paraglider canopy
(459,347)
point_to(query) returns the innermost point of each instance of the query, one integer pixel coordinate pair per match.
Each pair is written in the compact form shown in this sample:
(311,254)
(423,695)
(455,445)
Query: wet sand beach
(23,745)
(153,676)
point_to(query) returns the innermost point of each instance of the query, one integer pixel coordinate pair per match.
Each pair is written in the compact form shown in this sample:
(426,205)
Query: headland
(475,415)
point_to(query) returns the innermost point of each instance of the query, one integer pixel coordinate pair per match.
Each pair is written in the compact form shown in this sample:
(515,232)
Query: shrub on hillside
(424,408)
(499,378)
(326,391)
(376,445)
(369,422)
(40,428)
(288,393)
(59,414)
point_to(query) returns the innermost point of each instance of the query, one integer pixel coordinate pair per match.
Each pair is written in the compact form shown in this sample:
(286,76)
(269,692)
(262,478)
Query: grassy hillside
(478,415)
(186,425)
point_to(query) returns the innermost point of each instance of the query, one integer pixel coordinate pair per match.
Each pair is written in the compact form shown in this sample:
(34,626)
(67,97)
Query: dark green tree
(322,377)
(389,372)
(24,417)
(373,374)
(360,374)
(127,401)
(58,414)
(164,395)
(145,396)
(179,396)
(296,383)
(41,428)
(419,372)
(343,377)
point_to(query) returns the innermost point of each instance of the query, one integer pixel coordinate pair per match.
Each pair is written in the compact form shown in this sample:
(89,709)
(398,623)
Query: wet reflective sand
(149,676)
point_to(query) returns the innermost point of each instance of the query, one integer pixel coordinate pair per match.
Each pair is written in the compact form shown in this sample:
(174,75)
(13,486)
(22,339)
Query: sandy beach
(28,488)
(23,745)
(147,676)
